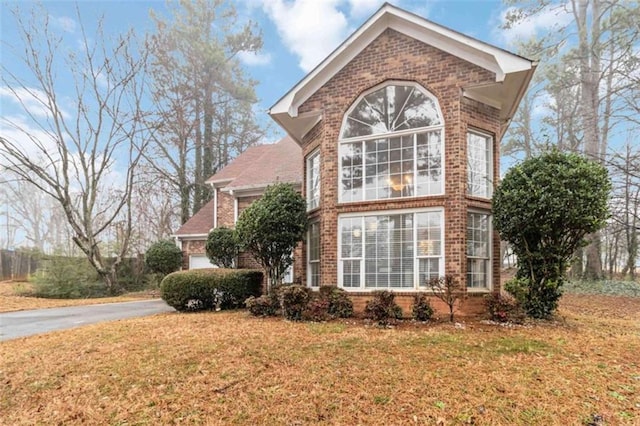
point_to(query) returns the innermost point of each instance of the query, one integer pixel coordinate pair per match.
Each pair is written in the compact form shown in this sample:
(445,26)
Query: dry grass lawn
(12,300)
(228,368)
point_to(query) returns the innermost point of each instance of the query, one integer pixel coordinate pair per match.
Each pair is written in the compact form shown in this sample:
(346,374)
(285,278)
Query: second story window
(313,180)
(391,145)
(479,164)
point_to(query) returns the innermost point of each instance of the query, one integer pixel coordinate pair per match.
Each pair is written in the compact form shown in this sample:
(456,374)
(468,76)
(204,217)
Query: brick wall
(393,56)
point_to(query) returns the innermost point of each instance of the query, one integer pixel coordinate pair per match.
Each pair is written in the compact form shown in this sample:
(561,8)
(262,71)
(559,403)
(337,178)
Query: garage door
(200,261)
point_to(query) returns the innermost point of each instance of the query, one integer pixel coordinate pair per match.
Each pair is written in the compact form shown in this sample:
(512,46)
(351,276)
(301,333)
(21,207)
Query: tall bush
(271,227)
(545,207)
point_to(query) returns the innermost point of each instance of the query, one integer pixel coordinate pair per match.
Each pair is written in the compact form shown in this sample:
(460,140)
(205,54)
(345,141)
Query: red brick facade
(396,57)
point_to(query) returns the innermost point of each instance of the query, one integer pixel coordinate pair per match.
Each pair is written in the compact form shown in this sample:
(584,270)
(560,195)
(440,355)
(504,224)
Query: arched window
(391,145)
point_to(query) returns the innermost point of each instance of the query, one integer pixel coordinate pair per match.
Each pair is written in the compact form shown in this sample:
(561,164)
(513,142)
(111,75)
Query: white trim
(489,287)
(416,266)
(215,207)
(190,236)
(308,245)
(235,209)
(506,66)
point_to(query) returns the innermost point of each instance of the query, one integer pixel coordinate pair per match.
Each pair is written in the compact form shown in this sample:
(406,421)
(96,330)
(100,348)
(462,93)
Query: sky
(297,34)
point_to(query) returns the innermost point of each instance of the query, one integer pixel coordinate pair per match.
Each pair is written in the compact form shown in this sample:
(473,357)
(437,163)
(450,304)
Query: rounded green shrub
(339,304)
(163,257)
(422,310)
(294,300)
(222,247)
(206,289)
(383,308)
(263,306)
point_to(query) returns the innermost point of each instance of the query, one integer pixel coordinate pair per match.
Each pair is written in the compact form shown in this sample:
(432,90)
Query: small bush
(383,308)
(503,307)
(539,301)
(205,289)
(340,306)
(422,310)
(163,257)
(67,278)
(262,306)
(294,300)
(449,290)
(317,310)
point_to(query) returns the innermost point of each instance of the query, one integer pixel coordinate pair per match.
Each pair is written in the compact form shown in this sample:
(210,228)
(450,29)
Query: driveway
(27,323)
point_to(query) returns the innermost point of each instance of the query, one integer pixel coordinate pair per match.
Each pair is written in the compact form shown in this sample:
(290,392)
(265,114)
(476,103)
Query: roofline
(188,236)
(469,46)
(261,186)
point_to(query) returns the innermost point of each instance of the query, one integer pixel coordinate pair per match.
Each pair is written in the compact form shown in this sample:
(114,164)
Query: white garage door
(200,261)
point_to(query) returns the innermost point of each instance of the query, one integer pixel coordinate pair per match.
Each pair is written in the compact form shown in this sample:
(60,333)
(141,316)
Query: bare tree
(82,150)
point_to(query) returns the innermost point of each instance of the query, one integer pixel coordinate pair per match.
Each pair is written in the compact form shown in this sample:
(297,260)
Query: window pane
(428,269)
(351,171)
(313,248)
(478,250)
(313,181)
(479,176)
(351,273)
(390,109)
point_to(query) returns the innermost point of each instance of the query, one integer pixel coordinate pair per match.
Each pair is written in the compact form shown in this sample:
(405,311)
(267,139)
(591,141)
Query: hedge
(207,289)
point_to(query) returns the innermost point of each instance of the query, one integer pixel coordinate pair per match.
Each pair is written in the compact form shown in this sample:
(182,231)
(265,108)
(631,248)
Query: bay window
(313,180)
(390,250)
(391,145)
(479,164)
(478,250)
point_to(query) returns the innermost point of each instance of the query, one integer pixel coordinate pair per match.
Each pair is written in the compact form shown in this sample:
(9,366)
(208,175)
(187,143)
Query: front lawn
(228,368)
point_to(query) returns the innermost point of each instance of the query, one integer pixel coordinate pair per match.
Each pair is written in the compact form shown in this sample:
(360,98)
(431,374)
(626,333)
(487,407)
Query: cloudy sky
(298,34)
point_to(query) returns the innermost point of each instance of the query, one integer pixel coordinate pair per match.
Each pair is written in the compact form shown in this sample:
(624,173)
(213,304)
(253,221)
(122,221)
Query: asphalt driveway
(27,323)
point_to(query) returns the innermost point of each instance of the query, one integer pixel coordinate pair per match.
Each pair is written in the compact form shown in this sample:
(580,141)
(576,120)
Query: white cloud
(31,100)
(64,23)
(310,29)
(549,19)
(254,59)
(364,8)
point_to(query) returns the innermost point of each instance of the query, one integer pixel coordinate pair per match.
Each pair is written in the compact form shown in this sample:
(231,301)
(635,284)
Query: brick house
(400,130)
(235,187)
(397,135)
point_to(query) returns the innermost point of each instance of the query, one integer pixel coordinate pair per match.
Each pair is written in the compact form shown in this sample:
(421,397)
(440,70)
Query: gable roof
(200,223)
(261,166)
(512,72)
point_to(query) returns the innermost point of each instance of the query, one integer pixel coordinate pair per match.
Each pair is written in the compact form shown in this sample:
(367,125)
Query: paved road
(27,323)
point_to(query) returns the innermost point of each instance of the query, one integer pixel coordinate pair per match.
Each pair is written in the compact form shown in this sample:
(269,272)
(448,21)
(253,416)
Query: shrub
(449,290)
(503,307)
(545,207)
(68,278)
(339,304)
(422,310)
(383,308)
(210,288)
(294,300)
(317,310)
(222,247)
(262,306)
(163,257)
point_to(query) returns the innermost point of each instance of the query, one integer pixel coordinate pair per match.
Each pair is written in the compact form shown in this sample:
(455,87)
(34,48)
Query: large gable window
(391,145)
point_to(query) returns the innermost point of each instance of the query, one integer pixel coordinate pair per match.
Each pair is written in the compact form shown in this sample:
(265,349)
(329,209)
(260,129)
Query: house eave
(504,65)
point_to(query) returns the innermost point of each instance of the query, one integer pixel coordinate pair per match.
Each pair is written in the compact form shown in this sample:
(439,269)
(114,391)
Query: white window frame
(414,132)
(488,260)
(417,286)
(313,202)
(313,261)
(488,174)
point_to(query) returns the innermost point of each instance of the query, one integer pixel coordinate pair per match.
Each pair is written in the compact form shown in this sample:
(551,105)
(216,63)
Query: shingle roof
(200,223)
(281,162)
(257,167)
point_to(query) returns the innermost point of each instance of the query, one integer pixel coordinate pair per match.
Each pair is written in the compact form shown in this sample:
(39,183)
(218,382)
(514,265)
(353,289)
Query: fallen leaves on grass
(227,368)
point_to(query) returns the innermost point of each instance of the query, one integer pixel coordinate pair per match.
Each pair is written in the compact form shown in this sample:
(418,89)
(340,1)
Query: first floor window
(478,250)
(313,254)
(391,251)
